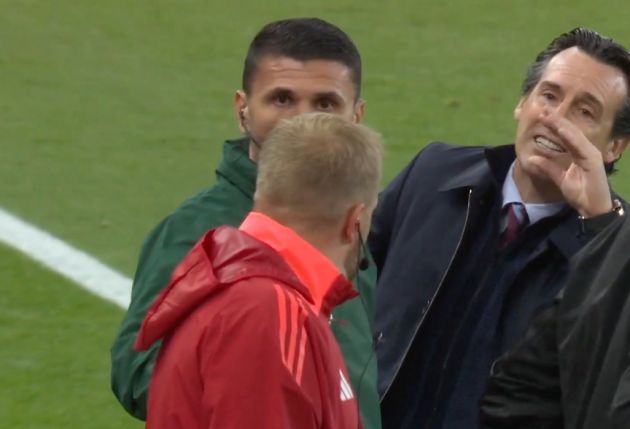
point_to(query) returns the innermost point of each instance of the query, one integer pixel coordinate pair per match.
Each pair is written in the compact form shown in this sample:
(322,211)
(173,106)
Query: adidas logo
(346,391)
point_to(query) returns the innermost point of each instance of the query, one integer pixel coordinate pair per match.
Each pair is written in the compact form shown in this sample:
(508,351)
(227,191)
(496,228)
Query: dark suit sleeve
(385,216)
(524,386)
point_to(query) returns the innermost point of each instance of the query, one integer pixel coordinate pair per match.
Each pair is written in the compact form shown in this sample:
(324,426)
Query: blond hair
(316,166)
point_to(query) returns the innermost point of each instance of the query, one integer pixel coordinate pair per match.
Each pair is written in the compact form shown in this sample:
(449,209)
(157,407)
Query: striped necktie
(514,224)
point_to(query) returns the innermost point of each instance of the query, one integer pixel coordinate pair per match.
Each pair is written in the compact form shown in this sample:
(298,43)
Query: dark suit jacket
(573,368)
(418,229)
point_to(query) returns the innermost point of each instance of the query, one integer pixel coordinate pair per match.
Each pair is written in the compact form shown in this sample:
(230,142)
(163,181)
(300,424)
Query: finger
(575,142)
(550,168)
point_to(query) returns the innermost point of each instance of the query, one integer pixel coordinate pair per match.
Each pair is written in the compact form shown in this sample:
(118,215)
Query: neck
(323,241)
(535,190)
(321,238)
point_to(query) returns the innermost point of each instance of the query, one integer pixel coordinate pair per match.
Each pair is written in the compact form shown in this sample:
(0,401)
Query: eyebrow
(319,95)
(586,96)
(279,90)
(329,94)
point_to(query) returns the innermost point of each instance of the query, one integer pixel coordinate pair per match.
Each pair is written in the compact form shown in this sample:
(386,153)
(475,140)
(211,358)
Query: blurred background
(113,112)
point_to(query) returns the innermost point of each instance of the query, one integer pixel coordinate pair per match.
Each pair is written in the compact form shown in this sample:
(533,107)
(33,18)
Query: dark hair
(303,39)
(601,48)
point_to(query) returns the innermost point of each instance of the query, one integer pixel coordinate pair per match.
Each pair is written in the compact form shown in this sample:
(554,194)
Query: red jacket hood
(222,257)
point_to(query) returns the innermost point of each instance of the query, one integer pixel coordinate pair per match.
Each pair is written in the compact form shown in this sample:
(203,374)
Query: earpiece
(364,263)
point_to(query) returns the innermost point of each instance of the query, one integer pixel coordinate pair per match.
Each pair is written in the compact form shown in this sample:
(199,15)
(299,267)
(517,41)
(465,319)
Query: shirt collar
(325,283)
(535,212)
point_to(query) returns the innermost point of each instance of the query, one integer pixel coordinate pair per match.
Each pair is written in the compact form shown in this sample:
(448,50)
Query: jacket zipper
(448,268)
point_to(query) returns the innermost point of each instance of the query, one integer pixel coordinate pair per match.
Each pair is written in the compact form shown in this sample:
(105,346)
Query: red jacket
(246,336)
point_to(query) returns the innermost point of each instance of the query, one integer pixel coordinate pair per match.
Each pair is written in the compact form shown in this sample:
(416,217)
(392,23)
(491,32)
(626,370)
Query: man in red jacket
(245,319)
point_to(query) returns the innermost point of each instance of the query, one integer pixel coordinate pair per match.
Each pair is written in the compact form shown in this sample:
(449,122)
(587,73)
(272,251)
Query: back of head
(314,167)
(303,39)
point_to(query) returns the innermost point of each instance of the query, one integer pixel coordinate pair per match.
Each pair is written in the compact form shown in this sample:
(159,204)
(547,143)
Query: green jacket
(226,203)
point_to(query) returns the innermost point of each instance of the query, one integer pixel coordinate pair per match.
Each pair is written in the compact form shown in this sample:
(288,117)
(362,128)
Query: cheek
(527,120)
(264,121)
(600,141)
(595,133)
(352,116)
(521,128)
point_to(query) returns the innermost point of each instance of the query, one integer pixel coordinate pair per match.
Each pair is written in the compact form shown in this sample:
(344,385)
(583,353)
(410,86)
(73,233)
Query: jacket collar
(221,258)
(326,286)
(490,169)
(236,166)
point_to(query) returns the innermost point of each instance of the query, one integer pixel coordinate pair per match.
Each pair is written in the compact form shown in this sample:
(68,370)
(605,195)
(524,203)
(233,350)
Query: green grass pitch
(112,112)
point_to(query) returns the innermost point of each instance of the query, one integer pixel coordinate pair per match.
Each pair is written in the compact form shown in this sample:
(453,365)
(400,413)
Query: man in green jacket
(292,67)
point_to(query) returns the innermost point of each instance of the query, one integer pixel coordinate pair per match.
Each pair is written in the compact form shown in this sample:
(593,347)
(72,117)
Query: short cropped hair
(303,39)
(316,166)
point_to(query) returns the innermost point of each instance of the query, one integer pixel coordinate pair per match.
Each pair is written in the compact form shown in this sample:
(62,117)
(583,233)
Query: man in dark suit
(471,242)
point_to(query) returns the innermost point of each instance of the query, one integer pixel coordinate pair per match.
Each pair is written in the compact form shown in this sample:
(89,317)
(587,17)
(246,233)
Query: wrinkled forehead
(575,70)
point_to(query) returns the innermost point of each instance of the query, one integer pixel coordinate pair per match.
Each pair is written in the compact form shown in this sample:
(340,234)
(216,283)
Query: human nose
(298,109)
(305,107)
(562,109)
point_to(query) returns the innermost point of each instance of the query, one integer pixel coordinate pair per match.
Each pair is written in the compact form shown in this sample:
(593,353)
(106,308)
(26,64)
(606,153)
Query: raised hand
(584,183)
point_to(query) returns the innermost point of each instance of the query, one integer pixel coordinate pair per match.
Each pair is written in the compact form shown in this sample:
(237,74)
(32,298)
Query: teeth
(549,144)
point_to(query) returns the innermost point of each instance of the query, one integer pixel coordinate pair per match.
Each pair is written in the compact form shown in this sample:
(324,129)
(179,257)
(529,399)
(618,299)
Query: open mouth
(548,144)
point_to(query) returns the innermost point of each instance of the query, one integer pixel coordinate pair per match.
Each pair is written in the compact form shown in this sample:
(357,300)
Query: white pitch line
(83,269)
